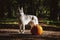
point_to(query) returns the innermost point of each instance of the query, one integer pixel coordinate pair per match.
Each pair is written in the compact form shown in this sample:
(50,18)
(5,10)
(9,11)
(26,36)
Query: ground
(14,33)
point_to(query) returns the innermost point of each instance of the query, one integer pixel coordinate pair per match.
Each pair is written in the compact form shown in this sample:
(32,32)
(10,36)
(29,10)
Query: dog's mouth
(31,23)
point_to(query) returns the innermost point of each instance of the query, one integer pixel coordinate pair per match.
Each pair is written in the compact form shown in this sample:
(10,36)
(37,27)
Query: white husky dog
(25,19)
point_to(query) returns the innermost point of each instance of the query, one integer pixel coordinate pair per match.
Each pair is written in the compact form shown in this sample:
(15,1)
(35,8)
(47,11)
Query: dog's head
(20,9)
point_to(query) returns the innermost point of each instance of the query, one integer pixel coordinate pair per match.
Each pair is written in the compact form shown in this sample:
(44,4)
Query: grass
(9,21)
(15,21)
(50,22)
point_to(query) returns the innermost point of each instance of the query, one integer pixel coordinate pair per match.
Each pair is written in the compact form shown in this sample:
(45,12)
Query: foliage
(45,9)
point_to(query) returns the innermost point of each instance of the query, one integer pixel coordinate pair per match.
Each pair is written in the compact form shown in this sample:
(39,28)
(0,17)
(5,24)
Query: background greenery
(46,10)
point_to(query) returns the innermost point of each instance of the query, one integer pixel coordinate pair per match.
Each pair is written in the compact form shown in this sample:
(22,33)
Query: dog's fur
(26,19)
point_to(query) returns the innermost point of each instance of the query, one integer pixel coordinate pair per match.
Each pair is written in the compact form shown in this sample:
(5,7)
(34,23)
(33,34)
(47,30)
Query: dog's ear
(19,9)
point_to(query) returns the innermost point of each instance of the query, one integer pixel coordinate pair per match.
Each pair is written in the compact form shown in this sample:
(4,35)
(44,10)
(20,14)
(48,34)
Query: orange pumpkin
(37,30)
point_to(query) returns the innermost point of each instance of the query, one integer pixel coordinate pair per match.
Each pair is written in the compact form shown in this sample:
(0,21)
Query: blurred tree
(2,9)
(40,8)
(54,9)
